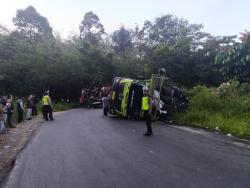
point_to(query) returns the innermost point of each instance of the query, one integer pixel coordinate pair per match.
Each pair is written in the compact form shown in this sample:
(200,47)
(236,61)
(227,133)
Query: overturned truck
(126,97)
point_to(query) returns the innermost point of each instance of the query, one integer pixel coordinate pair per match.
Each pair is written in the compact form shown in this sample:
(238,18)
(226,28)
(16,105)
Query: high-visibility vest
(46,100)
(145,103)
(113,95)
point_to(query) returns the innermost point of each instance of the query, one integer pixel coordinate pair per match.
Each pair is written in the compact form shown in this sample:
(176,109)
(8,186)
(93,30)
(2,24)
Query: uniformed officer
(47,106)
(146,109)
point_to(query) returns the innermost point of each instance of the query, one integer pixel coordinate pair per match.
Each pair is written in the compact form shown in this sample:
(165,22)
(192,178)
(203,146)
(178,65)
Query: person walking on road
(20,109)
(146,109)
(47,107)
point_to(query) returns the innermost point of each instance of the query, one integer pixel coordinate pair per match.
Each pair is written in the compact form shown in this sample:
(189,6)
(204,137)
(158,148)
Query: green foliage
(33,60)
(63,106)
(62,67)
(122,39)
(205,98)
(228,89)
(235,63)
(170,30)
(31,24)
(211,107)
(185,66)
(91,29)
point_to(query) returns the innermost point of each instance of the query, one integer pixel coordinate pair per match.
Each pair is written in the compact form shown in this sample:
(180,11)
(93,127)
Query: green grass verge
(63,106)
(209,109)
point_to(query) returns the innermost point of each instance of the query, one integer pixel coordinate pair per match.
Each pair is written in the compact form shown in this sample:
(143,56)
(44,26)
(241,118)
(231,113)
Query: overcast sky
(220,17)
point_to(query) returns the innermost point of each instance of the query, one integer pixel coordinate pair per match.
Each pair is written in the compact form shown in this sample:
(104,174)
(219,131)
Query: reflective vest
(113,95)
(145,103)
(46,100)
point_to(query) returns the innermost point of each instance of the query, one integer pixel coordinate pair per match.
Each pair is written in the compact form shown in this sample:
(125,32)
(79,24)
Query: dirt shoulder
(12,141)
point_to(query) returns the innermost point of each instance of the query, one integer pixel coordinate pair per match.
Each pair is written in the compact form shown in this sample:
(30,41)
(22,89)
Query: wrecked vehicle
(126,97)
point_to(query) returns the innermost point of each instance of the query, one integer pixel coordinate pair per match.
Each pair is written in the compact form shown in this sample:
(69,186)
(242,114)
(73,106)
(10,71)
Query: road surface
(83,149)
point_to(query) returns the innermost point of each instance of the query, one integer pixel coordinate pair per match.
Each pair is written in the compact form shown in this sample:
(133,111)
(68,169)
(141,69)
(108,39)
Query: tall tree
(171,30)
(139,43)
(122,40)
(91,28)
(31,24)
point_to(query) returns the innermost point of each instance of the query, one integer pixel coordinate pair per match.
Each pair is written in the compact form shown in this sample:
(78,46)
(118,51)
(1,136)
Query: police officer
(146,109)
(47,106)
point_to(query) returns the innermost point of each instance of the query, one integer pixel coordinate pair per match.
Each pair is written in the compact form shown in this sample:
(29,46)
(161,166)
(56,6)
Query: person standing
(47,107)
(29,107)
(2,126)
(106,104)
(156,102)
(20,109)
(146,109)
(4,102)
(9,110)
(34,106)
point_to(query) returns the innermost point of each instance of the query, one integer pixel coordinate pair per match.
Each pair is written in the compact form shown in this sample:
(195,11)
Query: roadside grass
(210,108)
(63,106)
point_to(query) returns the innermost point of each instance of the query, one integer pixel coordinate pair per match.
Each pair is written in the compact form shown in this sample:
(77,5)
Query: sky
(219,17)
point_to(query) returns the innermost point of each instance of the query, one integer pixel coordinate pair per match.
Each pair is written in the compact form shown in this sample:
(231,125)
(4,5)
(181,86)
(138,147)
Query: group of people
(29,106)
(7,109)
(6,112)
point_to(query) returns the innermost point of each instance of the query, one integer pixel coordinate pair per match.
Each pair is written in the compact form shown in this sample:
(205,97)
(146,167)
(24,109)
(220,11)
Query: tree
(32,60)
(31,24)
(245,37)
(122,40)
(171,30)
(204,57)
(91,28)
(235,62)
(139,42)
(178,63)
(4,30)
(7,49)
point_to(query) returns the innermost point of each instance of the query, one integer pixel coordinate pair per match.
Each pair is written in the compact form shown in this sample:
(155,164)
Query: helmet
(145,88)
(162,71)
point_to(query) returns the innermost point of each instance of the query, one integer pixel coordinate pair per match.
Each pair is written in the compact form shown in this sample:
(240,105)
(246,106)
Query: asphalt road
(83,149)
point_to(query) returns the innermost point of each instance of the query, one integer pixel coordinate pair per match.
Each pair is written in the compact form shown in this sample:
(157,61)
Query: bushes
(62,106)
(204,98)
(226,107)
